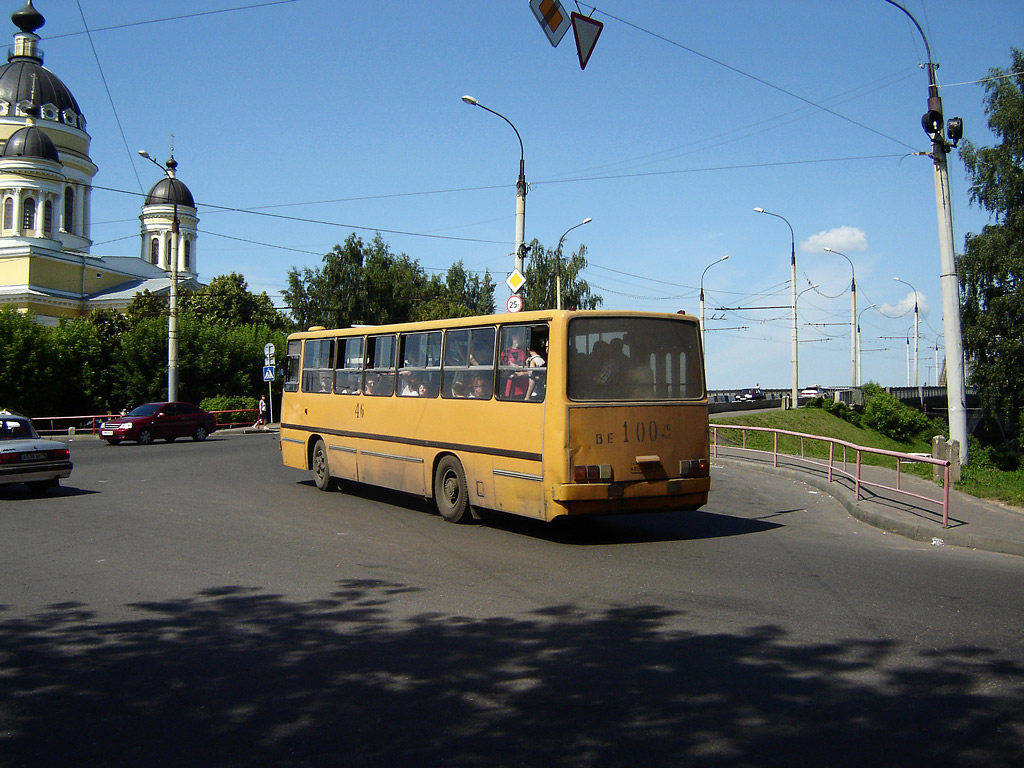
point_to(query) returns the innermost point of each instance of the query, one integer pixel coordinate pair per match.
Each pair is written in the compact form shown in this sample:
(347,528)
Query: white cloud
(843,239)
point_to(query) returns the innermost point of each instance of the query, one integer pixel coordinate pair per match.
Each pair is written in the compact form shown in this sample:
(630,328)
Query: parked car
(25,457)
(750,394)
(159,421)
(812,392)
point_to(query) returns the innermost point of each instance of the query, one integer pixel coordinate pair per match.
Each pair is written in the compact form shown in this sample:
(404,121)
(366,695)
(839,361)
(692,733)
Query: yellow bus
(543,414)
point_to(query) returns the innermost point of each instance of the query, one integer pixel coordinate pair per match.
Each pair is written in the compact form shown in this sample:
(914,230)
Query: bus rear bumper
(597,498)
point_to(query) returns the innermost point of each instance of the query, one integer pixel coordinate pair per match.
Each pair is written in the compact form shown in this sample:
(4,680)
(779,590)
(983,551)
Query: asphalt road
(199,604)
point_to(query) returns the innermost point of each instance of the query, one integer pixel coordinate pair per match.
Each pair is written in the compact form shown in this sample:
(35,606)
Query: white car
(812,392)
(27,458)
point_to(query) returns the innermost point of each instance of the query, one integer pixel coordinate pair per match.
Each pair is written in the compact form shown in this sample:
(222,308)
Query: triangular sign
(586,32)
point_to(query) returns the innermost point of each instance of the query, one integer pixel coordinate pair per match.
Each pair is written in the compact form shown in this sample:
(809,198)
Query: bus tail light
(592,473)
(694,468)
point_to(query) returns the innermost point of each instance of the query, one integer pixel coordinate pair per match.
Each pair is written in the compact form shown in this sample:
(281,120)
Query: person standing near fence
(261,418)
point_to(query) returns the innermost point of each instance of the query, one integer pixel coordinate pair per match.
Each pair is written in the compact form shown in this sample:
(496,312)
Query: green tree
(457,294)
(992,266)
(27,369)
(227,299)
(78,355)
(541,270)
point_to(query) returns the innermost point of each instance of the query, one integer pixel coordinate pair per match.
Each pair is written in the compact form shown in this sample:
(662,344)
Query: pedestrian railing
(838,462)
(90,424)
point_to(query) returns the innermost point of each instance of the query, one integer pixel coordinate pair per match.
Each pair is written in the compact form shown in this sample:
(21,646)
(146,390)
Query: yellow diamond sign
(515,281)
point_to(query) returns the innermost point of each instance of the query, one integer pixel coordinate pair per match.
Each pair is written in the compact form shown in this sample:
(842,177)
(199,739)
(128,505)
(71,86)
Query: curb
(888,523)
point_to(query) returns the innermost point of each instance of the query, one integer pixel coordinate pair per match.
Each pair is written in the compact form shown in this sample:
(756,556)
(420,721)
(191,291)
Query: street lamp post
(916,337)
(853,317)
(949,281)
(792,261)
(520,188)
(172,293)
(558,262)
(709,266)
(860,360)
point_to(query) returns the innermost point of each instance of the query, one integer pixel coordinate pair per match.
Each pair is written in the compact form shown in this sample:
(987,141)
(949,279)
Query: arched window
(69,210)
(48,218)
(8,213)
(154,250)
(28,215)
(188,255)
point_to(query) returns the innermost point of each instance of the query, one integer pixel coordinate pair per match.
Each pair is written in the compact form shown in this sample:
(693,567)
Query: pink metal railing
(90,423)
(834,467)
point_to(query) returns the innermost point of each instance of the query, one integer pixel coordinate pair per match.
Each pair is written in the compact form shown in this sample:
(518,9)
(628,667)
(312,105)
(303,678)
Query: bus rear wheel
(321,467)
(451,493)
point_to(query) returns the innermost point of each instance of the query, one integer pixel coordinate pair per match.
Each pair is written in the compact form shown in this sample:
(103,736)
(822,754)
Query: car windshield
(16,429)
(149,409)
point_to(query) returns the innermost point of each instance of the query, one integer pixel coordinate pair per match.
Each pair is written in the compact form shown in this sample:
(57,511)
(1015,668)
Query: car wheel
(145,437)
(451,493)
(200,434)
(322,467)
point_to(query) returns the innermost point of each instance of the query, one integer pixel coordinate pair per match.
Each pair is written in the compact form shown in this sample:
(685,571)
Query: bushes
(231,403)
(884,413)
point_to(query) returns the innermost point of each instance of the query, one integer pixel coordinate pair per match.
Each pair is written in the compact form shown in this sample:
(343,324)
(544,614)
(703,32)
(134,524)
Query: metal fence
(836,465)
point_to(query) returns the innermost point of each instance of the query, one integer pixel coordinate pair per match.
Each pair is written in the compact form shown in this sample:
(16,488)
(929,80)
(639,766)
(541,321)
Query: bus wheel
(451,493)
(321,467)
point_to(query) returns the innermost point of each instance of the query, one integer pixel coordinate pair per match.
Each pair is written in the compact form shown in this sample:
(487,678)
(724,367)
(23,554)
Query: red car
(159,421)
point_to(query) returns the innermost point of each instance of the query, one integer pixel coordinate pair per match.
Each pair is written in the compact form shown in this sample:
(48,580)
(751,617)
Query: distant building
(46,267)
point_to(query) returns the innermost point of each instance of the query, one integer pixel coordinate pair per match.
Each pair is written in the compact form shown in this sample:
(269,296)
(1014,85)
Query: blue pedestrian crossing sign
(268,373)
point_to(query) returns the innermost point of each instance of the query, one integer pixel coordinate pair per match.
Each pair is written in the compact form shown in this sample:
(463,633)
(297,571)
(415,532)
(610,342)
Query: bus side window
(348,373)
(380,365)
(291,366)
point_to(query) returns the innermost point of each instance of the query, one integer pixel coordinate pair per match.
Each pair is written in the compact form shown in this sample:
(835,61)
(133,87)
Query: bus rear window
(634,359)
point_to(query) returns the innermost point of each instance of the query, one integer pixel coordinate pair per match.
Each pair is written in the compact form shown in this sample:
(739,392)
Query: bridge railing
(838,459)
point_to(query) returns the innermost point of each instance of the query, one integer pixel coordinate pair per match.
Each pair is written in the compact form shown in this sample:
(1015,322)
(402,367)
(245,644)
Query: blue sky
(327,117)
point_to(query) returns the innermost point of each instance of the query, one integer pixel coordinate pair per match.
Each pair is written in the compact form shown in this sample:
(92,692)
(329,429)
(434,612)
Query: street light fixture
(949,281)
(860,360)
(520,188)
(172,294)
(916,337)
(558,262)
(709,266)
(853,318)
(796,390)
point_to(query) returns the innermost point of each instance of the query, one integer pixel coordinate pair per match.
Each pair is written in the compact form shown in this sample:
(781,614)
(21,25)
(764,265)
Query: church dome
(30,141)
(170,191)
(24,79)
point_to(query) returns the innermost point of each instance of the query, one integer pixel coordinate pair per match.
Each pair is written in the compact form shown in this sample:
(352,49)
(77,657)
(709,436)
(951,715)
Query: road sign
(586,31)
(268,373)
(552,17)
(268,350)
(514,303)
(515,280)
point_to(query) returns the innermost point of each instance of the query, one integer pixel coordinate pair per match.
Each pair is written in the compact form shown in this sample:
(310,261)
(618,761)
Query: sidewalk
(973,522)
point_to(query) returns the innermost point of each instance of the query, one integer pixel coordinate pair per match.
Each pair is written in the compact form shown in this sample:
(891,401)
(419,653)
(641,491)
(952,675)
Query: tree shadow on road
(238,677)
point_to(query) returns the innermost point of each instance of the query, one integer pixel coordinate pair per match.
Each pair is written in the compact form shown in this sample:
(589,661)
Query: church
(46,268)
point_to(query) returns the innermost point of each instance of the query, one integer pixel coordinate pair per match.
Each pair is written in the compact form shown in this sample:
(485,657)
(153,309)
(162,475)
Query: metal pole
(949,281)
(709,266)
(558,262)
(794,394)
(853,317)
(520,252)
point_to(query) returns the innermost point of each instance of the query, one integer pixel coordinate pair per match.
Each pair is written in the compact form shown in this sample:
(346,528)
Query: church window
(8,213)
(188,255)
(154,250)
(28,211)
(48,218)
(69,210)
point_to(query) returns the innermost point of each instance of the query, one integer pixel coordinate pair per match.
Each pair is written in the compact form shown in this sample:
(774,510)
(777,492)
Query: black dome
(170,191)
(16,86)
(30,141)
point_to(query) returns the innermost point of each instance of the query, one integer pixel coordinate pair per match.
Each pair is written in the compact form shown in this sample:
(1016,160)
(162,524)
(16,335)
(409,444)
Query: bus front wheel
(321,467)
(451,493)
